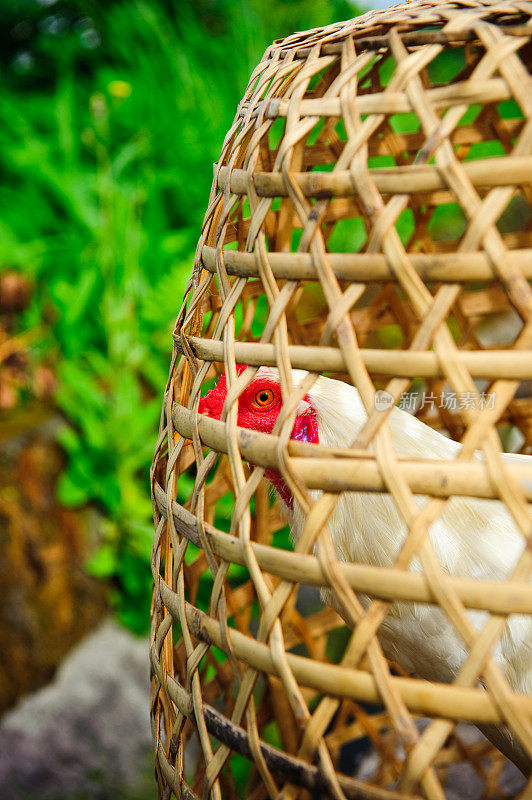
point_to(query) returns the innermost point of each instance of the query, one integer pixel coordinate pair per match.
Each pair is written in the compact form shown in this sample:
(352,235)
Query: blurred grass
(111,115)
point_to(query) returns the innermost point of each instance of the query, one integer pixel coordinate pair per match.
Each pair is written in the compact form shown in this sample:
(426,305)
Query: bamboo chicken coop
(369,220)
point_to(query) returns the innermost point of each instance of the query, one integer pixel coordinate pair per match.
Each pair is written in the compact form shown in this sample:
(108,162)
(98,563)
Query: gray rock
(86,736)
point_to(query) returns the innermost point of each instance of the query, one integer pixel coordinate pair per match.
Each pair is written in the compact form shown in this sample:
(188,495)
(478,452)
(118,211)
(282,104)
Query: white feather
(472,538)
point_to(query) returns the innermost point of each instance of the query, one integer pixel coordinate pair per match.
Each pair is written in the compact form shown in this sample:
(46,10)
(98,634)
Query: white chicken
(475,538)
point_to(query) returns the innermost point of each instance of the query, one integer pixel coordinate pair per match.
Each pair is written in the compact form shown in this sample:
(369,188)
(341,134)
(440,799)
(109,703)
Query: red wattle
(305,430)
(249,416)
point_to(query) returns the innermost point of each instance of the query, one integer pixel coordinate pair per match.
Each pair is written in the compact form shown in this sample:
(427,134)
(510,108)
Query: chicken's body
(473,538)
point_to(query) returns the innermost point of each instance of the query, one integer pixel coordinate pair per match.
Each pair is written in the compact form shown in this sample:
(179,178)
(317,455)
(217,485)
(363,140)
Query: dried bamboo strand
(205,745)
(409,60)
(317,740)
(213,765)
(444,299)
(491,90)
(482,641)
(378,19)
(248,681)
(484,172)
(244,698)
(356,474)
(441,267)
(179,611)
(492,59)
(446,350)
(194,657)
(256,752)
(250,678)
(387,583)
(418,38)
(169,538)
(289,767)
(507,364)
(318,746)
(179,786)
(315,522)
(348,602)
(443,700)
(495,681)
(276,631)
(270,609)
(365,642)
(480,644)
(434,736)
(437,732)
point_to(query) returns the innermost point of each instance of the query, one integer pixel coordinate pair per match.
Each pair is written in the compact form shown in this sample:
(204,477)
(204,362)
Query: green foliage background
(111,115)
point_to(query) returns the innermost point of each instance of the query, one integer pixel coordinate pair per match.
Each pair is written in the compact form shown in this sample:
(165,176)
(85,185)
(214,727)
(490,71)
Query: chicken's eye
(263,398)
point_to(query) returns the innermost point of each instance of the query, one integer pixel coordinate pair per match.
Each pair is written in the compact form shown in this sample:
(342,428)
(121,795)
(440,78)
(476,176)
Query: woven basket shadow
(369,220)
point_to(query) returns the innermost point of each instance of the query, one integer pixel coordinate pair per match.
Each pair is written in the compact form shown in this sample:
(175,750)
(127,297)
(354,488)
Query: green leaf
(348,236)
(510,109)
(447,222)
(447,65)
(405,225)
(405,123)
(101,203)
(70,492)
(102,563)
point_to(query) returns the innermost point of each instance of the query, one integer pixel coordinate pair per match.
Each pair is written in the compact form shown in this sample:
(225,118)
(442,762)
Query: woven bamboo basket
(370,218)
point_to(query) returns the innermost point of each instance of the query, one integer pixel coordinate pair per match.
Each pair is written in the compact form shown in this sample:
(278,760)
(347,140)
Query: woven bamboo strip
(434,699)
(494,90)
(386,583)
(416,39)
(314,166)
(495,364)
(179,785)
(294,769)
(321,155)
(411,179)
(430,477)
(444,267)
(479,657)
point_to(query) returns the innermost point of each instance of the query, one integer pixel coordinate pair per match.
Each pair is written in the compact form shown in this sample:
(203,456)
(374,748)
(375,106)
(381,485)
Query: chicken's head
(258,408)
